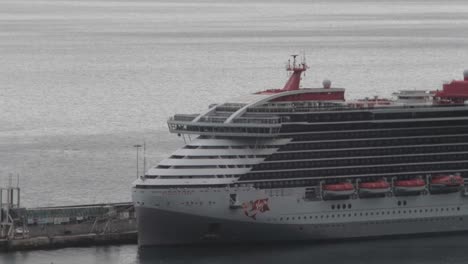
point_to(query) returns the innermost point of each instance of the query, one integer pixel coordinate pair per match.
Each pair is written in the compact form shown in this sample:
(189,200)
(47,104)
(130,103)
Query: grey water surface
(82,81)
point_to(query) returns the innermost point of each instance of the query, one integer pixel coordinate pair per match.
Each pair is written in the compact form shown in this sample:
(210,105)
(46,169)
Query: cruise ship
(297,163)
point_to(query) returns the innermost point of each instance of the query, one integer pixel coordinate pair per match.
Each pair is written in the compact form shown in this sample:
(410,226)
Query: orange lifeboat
(446,183)
(412,186)
(376,187)
(338,190)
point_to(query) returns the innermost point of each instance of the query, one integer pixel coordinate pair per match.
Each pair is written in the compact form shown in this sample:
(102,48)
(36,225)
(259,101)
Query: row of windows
(411,220)
(331,117)
(452,113)
(338,206)
(360,161)
(458,147)
(192,203)
(359,170)
(305,106)
(373,213)
(288,128)
(219,157)
(382,133)
(350,116)
(375,143)
(221,129)
(349,206)
(191,176)
(259,146)
(313,184)
(230,166)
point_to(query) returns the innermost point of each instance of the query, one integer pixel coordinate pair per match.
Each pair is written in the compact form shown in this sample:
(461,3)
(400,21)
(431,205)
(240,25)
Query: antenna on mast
(294,59)
(304,62)
(144,157)
(295,73)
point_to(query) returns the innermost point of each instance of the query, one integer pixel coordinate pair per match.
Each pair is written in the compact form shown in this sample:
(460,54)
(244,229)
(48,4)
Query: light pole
(138,146)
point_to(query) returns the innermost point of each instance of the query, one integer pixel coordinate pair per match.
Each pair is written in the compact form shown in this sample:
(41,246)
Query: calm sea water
(81,82)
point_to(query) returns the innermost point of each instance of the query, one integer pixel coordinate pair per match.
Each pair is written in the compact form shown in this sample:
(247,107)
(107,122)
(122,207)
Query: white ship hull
(204,216)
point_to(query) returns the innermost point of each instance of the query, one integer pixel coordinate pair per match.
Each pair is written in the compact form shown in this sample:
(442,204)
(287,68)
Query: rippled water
(81,82)
(435,250)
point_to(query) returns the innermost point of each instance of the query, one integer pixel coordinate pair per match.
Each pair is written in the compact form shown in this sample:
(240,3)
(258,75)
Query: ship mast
(296,69)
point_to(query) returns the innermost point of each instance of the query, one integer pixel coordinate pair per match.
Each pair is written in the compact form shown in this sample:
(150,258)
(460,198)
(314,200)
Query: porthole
(338,207)
(287,218)
(333,207)
(404,202)
(458,208)
(281,218)
(399,203)
(349,206)
(344,206)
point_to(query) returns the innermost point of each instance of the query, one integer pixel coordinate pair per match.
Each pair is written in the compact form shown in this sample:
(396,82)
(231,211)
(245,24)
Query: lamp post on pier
(138,146)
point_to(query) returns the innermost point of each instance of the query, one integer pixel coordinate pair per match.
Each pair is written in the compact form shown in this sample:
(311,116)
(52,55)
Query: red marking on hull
(252,208)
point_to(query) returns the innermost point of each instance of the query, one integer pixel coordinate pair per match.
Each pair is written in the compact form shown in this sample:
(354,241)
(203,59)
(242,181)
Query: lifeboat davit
(446,183)
(413,186)
(373,188)
(338,190)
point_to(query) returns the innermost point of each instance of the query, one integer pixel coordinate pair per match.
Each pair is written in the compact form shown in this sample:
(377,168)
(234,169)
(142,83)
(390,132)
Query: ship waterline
(305,164)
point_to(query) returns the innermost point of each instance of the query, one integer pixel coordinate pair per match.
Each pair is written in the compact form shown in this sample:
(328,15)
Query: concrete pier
(80,225)
(42,242)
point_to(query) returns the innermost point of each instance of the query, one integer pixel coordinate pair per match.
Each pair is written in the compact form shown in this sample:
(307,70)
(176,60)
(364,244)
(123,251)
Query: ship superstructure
(305,164)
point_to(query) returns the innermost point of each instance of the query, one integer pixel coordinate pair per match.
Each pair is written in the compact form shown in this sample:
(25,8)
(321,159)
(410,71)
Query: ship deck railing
(354,176)
(333,107)
(184,117)
(251,129)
